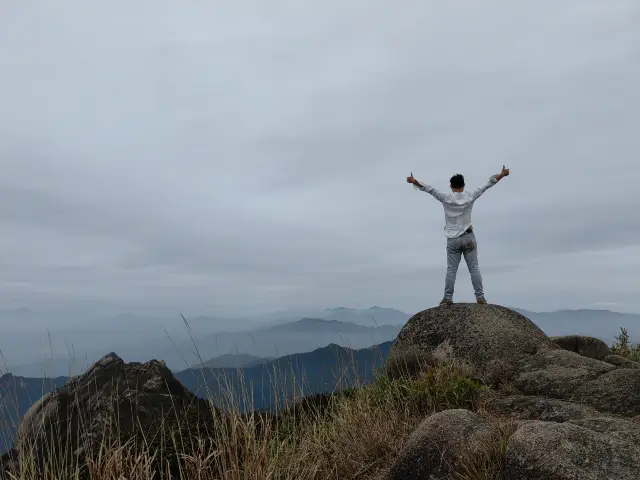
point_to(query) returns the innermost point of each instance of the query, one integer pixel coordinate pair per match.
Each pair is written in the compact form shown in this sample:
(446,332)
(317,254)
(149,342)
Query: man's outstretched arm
(492,181)
(437,194)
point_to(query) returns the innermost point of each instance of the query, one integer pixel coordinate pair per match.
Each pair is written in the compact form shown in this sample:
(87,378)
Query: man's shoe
(446,301)
(481,300)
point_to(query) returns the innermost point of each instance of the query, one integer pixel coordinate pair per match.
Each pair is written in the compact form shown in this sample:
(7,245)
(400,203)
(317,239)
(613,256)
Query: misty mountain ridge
(299,336)
(323,325)
(371,316)
(603,324)
(302,335)
(233,360)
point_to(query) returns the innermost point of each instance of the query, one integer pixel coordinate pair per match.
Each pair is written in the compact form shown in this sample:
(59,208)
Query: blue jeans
(466,245)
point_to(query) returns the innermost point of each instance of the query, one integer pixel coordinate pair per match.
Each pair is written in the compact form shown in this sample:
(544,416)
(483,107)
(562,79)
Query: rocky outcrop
(437,447)
(583,345)
(571,410)
(557,373)
(566,451)
(490,337)
(568,376)
(504,346)
(114,403)
(617,391)
(455,442)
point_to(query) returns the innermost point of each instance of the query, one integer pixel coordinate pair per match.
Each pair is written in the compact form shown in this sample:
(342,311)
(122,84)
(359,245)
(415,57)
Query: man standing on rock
(458,229)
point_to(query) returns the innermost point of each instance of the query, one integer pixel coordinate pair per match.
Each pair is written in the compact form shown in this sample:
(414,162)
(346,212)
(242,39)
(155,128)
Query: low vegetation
(624,347)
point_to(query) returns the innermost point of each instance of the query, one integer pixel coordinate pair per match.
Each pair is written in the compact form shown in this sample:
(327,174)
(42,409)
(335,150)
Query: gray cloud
(241,158)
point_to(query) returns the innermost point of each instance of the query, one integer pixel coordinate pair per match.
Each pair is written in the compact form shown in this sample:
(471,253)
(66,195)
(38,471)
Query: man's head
(457,183)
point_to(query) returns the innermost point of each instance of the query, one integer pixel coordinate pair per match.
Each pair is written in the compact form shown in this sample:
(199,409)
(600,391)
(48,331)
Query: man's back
(457,206)
(457,213)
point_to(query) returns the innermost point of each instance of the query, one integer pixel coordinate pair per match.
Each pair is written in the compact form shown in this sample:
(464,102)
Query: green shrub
(439,388)
(624,347)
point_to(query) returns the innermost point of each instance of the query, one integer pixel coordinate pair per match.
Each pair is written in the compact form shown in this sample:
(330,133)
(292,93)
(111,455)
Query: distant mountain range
(276,382)
(233,360)
(319,325)
(275,341)
(253,387)
(370,317)
(373,316)
(299,336)
(275,336)
(603,324)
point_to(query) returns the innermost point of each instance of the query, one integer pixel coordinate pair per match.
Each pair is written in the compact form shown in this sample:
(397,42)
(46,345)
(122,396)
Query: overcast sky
(249,156)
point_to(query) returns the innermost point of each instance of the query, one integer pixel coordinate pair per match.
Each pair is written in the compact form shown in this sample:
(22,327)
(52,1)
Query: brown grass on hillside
(356,433)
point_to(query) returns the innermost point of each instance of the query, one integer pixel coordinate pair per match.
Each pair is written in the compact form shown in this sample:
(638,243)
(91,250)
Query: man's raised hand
(504,173)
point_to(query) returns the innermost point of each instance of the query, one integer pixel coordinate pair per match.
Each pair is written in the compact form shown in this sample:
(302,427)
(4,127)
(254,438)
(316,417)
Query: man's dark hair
(457,181)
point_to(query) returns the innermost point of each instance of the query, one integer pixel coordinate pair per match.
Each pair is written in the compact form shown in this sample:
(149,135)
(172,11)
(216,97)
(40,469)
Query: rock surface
(622,429)
(583,345)
(565,451)
(557,373)
(490,337)
(525,407)
(568,376)
(620,361)
(434,450)
(617,391)
(114,402)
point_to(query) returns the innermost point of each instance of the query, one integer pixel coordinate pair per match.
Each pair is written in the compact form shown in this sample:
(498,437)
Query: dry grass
(490,464)
(352,434)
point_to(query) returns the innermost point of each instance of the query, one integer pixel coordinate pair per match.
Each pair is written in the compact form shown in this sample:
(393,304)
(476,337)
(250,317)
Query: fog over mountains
(31,350)
(603,324)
